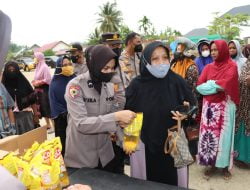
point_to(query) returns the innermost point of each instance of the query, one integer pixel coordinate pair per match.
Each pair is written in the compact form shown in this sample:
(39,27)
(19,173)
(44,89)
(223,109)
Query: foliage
(228,26)
(124,30)
(109,18)
(48,52)
(145,26)
(94,38)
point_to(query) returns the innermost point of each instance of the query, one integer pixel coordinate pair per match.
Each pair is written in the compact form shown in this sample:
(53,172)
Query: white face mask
(205,53)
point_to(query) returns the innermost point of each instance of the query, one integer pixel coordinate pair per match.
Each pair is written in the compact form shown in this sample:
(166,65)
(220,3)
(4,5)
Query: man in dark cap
(77,57)
(113,41)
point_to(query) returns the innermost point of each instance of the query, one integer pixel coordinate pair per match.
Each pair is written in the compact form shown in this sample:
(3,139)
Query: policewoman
(90,103)
(113,41)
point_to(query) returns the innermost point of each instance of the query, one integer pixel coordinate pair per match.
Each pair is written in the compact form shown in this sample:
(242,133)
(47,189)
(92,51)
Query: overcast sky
(45,21)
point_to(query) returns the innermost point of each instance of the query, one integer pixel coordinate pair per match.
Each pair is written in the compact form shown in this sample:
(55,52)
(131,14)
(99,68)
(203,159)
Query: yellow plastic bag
(134,129)
(132,134)
(44,169)
(57,149)
(44,176)
(23,171)
(31,151)
(8,162)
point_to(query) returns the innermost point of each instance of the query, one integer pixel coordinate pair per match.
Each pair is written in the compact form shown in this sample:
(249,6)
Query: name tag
(89,100)
(110,99)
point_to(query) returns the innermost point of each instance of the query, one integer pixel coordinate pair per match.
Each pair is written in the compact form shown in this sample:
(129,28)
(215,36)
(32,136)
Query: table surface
(101,180)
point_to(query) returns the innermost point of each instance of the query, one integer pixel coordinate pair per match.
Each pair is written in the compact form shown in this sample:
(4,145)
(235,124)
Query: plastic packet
(8,162)
(57,149)
(132,134)
(134,128)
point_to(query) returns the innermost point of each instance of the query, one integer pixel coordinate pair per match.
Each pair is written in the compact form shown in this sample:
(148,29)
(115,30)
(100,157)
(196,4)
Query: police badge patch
(74,91)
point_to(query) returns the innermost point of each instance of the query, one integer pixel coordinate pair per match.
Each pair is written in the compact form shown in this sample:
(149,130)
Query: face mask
(106,77)
(12,74)
(234,56)
(158,71)
(178,55)
(138,48)
(117,51)
(67,70)
(74,58)
(205,53)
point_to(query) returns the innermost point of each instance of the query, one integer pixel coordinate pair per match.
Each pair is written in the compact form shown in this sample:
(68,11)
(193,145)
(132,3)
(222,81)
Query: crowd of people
(95,94)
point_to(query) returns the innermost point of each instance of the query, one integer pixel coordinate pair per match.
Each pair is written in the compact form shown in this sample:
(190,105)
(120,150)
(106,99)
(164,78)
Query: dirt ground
(240,177)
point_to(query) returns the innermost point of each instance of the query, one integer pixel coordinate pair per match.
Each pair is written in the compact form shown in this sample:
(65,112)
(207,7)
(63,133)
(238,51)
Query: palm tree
(94,38)
(145,25)
(109,18)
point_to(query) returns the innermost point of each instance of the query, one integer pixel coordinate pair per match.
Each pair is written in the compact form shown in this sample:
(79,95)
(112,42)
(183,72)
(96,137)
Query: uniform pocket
(109,107)
(92,108)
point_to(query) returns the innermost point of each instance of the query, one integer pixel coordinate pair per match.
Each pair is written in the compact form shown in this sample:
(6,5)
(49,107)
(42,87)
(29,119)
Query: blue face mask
(159,71)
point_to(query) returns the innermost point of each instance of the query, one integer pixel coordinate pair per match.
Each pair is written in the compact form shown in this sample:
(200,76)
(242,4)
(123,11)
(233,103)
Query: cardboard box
(24,141)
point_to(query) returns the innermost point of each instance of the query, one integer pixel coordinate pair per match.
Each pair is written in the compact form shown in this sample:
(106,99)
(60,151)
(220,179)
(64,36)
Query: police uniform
(90,122)
(130,66)
(114,38)
(78,68)
(117,164)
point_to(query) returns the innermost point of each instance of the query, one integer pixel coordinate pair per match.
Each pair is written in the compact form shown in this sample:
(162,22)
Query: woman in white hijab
(236,54)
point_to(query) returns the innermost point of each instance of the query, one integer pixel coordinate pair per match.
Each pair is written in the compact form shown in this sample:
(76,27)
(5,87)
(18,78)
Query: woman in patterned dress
(242,132)
(218,84)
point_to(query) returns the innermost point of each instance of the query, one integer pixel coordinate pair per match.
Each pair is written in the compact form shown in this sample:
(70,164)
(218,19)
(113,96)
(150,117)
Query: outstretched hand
(177,116)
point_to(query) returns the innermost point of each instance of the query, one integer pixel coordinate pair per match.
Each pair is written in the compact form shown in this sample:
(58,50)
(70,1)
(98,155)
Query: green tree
(14,49)
(109,18)
(152,34)
(169,35)
(94,38)
(28,53)
(124,30)
(229,26)
(48,52)
(145,26)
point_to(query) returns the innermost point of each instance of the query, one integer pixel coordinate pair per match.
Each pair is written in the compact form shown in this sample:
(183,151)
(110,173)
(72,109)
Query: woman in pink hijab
(41,83)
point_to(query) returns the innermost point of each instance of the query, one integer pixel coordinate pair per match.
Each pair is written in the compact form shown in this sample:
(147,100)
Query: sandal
(227,175)
(209,172)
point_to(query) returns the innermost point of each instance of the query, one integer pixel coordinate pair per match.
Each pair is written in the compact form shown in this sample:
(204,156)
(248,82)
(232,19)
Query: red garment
(224,71)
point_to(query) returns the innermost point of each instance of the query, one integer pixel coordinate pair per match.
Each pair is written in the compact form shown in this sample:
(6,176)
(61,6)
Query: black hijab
(156,98)
(17,85)
(97,58)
